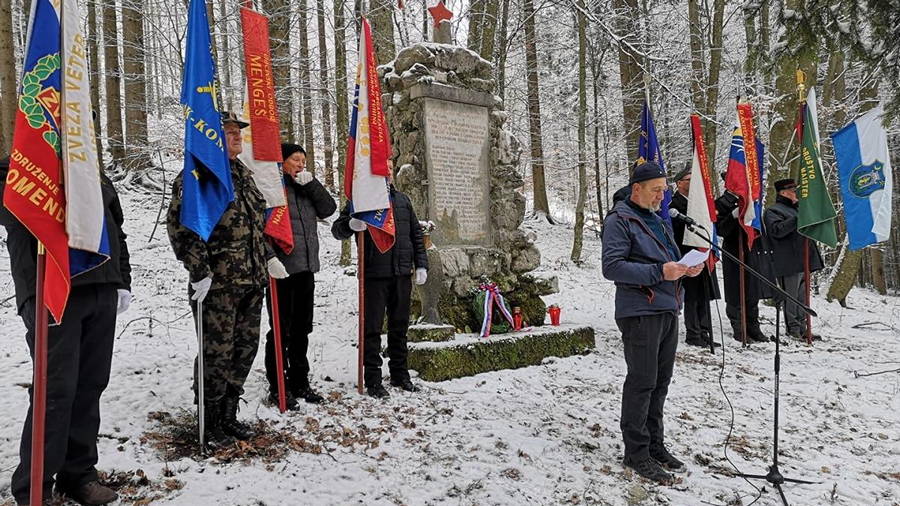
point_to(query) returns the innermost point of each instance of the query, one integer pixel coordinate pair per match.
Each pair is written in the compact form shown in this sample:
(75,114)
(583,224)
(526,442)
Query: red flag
(263,109)
(33,185)
(743,175)
(278,227)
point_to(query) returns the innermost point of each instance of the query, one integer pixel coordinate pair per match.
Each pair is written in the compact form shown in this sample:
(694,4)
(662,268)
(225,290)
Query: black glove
(727,203)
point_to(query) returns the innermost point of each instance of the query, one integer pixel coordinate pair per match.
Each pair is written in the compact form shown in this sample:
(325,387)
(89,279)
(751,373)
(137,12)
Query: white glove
(357,225)
(276,268)
(303,177)
(201,288)
(421,276)
(124,301)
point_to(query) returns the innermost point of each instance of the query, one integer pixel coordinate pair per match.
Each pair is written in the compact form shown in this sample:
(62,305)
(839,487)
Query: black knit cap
(289,149)
(646,171)
(785,184)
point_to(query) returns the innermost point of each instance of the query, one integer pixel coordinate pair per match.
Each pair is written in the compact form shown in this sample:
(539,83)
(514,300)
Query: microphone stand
(774,475)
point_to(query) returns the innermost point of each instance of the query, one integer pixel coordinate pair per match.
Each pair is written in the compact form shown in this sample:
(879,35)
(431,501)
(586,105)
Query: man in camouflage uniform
(228,274)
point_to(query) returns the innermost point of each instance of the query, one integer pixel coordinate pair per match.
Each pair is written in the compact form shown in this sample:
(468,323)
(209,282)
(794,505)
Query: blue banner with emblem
(648,151)
(207,173)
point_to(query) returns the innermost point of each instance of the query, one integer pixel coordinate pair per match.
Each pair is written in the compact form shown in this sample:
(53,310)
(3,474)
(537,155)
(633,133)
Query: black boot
(404,384)
(290,400)
(213,434)
(377,391)
(302,390)
(230,423)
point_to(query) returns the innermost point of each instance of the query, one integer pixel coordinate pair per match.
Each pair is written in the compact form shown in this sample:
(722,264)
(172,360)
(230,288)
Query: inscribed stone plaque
(457,148)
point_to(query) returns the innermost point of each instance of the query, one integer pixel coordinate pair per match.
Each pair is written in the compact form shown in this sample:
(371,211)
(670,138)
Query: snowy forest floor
(540,435)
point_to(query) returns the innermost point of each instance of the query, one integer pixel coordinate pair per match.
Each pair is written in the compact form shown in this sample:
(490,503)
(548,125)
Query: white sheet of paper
(694,257)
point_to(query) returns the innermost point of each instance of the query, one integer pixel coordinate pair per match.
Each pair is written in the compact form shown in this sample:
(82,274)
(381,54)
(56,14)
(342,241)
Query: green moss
(443,363)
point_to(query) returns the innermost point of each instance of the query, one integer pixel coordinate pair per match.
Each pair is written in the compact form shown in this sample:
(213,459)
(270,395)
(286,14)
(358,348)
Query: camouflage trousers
(231,318)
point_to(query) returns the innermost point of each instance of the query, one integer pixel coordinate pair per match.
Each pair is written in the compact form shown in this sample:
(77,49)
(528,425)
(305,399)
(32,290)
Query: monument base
(470,354)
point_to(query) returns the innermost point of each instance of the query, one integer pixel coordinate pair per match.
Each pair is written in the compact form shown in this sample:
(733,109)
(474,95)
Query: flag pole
(801,98)
(743,282)
(279,354)
(39,390)
(361,270)
(201,388)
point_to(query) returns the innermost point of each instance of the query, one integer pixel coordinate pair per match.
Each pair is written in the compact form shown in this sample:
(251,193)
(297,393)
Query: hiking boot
(404,384)
(290,402)
(377,391)
(308,394)
(755,334)
(213,434)
(649,469)
(666,460)
(230,423)
(695,341)
(92,492)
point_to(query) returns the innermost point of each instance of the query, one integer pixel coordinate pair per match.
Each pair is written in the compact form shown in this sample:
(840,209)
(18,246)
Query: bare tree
(539,185)
(343,115)
(94,62)
(114,128)
(627,18)
(326,99)
(305,92)
(279,12)
(381,14)
(135,84)
(581,20)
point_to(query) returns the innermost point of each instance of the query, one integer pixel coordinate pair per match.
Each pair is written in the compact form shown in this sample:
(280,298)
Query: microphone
(674,213)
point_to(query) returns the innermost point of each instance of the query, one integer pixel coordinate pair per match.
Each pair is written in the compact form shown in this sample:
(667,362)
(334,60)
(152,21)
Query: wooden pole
(806,275)
(361,276)
(279,351)
(39,384)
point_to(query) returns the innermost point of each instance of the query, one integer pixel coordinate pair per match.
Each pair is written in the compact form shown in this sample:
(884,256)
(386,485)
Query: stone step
(424,333)
(469,354)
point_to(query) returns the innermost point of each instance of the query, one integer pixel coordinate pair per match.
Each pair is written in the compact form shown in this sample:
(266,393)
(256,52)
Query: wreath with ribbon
(499,321)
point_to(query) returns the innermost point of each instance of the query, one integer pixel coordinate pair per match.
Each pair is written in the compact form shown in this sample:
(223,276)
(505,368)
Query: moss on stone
(439,363)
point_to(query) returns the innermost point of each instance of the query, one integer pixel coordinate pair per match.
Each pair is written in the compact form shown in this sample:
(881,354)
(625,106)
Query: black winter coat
(704,286)
(758,258)
(22,247)
(787,243)
(307,204)
(408,252)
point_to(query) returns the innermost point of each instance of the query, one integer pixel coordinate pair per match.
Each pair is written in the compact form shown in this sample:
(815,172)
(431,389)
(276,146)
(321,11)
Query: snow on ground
(539,435)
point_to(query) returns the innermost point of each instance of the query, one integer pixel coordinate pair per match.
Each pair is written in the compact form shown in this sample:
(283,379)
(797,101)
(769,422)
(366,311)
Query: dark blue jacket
(633,258)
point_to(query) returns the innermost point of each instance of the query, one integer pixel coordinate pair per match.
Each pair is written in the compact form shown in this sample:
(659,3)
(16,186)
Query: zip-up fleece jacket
(633,258)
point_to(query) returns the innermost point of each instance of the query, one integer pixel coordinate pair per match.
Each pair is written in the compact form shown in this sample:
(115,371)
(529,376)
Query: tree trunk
(326,99)
(582,122)
(501,53)
(627,27)
(596,64)
(710,127)
(343,115)
(279,12)
(541,204)
(94,63)
(476,25)
(8,93)
(305,89)
(112,70)
(878,271)
(489,29)
(135,85)
(381,15)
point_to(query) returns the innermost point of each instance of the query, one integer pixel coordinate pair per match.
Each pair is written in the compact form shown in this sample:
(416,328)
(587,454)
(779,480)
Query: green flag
(816,214)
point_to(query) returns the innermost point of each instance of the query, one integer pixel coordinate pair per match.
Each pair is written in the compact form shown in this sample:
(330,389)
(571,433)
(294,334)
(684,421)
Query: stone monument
(460,168)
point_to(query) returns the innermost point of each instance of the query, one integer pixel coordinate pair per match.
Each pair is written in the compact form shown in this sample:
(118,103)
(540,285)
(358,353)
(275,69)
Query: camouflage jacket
(236,252)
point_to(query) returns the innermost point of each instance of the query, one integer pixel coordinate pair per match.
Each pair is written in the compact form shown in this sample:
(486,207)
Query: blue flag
(648,151)
(207,170)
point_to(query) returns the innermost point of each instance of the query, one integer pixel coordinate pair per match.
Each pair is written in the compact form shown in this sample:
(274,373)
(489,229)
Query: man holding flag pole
(65,211)
(215,224)
(389,239)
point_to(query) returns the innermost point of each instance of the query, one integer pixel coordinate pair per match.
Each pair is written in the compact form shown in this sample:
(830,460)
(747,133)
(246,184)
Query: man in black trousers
(79,357)
(388,278)
(698,291)
(640,255)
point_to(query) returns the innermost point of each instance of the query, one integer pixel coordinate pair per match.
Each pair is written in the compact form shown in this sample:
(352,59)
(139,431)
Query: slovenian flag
(701,205)
(68,220)
(368,151)
(864,165)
